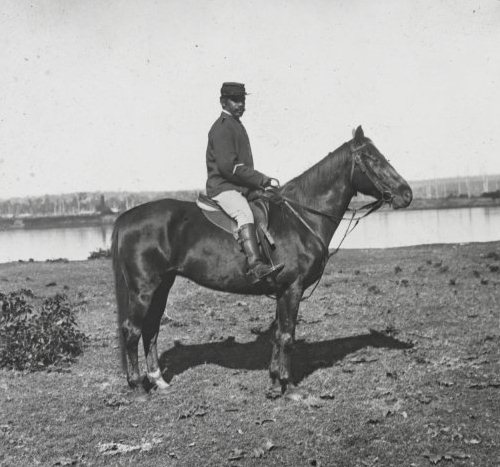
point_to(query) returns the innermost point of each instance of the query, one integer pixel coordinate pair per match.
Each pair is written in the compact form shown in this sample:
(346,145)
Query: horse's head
(373,175)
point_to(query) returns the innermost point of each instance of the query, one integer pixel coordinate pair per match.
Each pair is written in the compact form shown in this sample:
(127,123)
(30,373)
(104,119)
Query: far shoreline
(494,244)
(96,219)
(423,204)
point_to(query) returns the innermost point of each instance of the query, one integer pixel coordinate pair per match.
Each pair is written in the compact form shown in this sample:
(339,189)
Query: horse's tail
(121,291)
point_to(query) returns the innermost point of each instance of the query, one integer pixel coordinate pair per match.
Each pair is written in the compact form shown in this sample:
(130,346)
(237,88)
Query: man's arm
(250,177)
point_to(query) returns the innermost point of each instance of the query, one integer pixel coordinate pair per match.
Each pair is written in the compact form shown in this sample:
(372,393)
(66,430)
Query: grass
(421,388)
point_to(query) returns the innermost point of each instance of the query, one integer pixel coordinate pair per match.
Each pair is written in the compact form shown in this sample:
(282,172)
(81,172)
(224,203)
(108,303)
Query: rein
(292,205)
(327,254)
(371,207)
(386,197)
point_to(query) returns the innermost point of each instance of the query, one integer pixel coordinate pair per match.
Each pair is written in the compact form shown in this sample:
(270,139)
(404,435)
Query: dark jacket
(229,158)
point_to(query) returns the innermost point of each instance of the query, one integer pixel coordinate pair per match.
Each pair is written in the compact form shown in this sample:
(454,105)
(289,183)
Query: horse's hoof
(161,384)
(156,381)
(135,383)
(275,391)
(138,390)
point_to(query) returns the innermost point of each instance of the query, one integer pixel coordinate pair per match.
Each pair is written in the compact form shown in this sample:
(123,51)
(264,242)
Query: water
(74,243)
(404,228)
(379,230)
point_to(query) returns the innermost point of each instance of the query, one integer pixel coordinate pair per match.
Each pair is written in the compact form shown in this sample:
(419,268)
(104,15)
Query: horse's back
(169,229)
(154,212)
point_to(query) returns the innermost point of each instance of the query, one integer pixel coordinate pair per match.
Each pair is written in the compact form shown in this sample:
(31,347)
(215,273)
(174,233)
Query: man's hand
(272,194)
(272,183)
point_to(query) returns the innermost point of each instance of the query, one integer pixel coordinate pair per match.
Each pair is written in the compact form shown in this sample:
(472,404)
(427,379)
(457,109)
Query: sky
(104,95)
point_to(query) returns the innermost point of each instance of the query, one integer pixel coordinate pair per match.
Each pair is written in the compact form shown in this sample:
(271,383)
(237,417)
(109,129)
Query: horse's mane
(305,185)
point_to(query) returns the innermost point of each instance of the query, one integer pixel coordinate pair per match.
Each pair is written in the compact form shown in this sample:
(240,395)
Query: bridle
(386,196)
(357,160)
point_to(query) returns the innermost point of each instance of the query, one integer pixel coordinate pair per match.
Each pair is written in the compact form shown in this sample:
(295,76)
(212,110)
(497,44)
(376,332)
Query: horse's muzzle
(403,198)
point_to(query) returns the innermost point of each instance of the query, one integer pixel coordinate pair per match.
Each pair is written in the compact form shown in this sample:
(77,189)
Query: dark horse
(154,242)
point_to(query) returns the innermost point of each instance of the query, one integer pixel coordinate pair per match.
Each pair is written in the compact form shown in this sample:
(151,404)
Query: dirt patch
(397,363)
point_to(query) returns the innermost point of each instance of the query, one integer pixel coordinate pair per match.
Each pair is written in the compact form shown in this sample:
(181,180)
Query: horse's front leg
(288,302)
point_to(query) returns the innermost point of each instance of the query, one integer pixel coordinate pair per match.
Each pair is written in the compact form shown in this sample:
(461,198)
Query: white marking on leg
(157,378)
(155,374)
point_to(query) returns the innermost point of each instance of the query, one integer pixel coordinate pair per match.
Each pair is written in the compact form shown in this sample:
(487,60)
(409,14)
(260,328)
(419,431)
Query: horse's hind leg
(150,329)
(131,328)
(131,332)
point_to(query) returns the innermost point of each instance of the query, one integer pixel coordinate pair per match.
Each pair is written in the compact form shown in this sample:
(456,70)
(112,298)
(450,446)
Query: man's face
(234,105)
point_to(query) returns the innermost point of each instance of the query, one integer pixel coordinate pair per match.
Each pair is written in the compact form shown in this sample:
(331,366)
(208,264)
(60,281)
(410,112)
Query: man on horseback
(231,175)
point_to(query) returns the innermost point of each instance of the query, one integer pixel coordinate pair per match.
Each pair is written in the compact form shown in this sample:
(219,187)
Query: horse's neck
(325,187)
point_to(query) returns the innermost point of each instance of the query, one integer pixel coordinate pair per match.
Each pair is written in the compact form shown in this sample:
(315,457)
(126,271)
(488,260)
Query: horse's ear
(358,135)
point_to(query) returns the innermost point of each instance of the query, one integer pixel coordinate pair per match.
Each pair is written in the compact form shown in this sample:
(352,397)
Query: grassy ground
(421,388)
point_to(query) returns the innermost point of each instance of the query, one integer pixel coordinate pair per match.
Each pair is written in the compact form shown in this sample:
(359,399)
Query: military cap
(232,90)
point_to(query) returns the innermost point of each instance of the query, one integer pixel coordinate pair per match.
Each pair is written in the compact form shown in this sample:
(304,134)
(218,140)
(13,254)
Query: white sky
(120,95)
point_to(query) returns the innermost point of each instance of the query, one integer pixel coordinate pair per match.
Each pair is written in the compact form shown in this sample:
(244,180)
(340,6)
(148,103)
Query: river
(379,230)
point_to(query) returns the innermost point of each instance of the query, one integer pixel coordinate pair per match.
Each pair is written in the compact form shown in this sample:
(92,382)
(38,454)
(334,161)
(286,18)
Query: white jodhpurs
(236,205)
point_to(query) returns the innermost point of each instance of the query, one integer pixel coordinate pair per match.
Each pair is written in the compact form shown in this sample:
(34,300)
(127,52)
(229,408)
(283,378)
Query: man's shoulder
(224,123)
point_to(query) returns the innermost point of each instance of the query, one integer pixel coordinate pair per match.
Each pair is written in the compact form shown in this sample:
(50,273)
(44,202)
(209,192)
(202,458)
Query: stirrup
(272,271)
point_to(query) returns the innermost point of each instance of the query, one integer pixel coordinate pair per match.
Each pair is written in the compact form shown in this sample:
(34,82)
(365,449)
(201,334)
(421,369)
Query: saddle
(260,208)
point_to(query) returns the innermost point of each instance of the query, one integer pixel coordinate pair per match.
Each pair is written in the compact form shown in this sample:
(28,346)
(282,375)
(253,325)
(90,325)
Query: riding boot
(258,270)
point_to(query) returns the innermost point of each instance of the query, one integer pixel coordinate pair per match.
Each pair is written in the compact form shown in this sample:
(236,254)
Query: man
(231,175)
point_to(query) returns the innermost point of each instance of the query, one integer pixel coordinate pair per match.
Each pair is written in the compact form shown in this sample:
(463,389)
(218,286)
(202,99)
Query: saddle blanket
(214,213)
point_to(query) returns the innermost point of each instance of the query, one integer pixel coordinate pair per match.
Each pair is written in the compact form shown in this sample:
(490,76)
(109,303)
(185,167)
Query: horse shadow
(307,357)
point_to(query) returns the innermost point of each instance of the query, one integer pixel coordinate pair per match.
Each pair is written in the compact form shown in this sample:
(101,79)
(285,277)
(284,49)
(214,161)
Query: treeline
(83,203)
(457,187)
(115,202)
